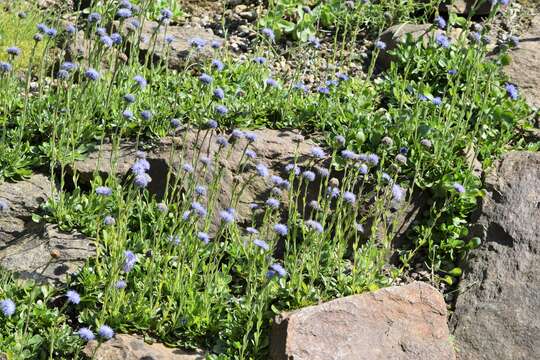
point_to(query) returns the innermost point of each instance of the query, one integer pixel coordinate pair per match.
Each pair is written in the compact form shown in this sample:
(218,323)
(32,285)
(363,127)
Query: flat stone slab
(131,347)
(496,315)
(401,322)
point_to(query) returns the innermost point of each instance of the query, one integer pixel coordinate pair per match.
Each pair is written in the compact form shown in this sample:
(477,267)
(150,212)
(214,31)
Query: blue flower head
(73,297)
(269,33)
(92,74)
(7,306)
(105,332)
(512,91)
(281,229)
(86,334)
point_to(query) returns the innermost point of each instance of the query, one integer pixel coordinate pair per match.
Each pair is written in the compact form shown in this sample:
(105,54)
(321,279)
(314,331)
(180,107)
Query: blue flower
(292,167)
(219,93)
(262,170)
(349,155)
(73,297)
(107,41)
(363,169)
(169,38)
(250,137)
(129,260)
(38,37)
(281,229)
(116,38)
(272,203)
(314,204)
(205,79)
(199,209)
(452,72)
(269,33)
(4,207)
(512,91)
(441,23)
(51,32)
(62,74)
(142,180)
(323,90)
(237,134)
(162,207)
(262,244)
(71,29)
(140,80)
(212,124)
(221,141)
(436,101)
(373,159)
(13,51)
(271,82)
(226,216)
(459,188)
(323,172)
(314,41)
(105,332)
(342,76)
(252,230)
(221,109)
(86,334)
(42,28)
(103,191)
(92,74)
(200,190)
(109,220)
(308,175)
(7,306)
(442,41)
(218,64)
(124,13)
(215,44)
(197,43)
(94,18)
(318,153)
(186,215)
(120,284)
(300,86)
(166,14)
(140,166)
(381,45)
(280,270)
(187,168)
(349,197)
(397,192)
(333,192)
(314,225)
(127,114)
(203,237)
(146,114)
(129,98)
(68,66)
(259,60)
(251,154)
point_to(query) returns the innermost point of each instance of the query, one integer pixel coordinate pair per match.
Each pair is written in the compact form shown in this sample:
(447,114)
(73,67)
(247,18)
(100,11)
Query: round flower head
(146,114)
(86,334)
(41,28)
(116,38)
(308,175)
(404,150)
(458,187)
(333,192)
(300,86)
(186,215)
(73,297)
(199,209)
(107,41)
(203,237)
(349,197)
(51,32)
(314,41)
(200,190)
(259,60)
(221,141)
(127,114)
(215,44)
(237,134)
(294,168)
(109,220)
(226,216)
(318,153)
(262,170)
(205,79)
(271,82)
(187,168)
(197,43)
(314,204)
(272,203)
(13,51)
(397,192)
(101,31)
(105,332)
(323,90)
(124,13)
(386,178)
(129,260)
(129,98)
(22,15)
(436,101)
(342,77)
(452,72)
(281,229)
(269,33)
(332,83)
(262,244)
(92,74)
(142,180)
(442,41)
(104,191)
(402,159)
(512,91)
(251,154)
(426,143)
(219,94)
(373,159)
(340,140)
(218,65)
(120,284)
(38,37)
(423,97)
(7,306)
(166,14)
(381,45)
(162,207)
(221,109)
(314,225)
(440,22)
(250,137)
(94,18)
(140,80)
(62,74)
(169,38)
(280,270)
(349,155)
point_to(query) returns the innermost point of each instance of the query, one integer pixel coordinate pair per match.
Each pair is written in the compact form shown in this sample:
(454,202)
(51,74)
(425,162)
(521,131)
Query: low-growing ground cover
(165,268)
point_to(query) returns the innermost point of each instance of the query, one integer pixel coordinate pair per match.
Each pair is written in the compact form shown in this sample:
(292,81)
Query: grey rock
(36,251)
(524,69)
(132,347)
(496,315)
(179,50)
(467,7)
(401,322)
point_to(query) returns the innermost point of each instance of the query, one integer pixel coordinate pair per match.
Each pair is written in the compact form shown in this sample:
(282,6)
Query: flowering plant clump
(184,255)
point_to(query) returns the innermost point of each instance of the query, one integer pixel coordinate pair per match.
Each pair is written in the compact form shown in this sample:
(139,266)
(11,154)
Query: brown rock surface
(130,347)
(405,322)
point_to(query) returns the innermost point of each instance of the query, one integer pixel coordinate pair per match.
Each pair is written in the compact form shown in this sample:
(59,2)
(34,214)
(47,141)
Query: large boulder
(405,322)
(131,347)
(274,148)
(153,38)
(35,250)
(496,315)
(524,68)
